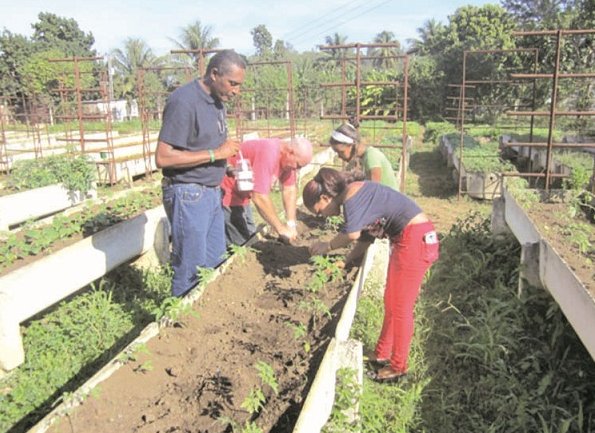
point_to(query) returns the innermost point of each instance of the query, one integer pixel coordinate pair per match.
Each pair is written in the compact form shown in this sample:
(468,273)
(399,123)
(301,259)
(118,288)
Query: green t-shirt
(373,158)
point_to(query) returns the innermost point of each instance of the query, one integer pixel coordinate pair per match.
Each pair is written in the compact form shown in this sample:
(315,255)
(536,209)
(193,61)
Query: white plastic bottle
(244,175)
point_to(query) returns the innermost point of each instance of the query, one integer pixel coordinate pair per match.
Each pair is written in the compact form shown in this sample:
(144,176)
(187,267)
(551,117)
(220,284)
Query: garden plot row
(50,279)
(339,353)
(22,147)
(546,262)
(125,160)
(562,162)
(39,202)
(481,171)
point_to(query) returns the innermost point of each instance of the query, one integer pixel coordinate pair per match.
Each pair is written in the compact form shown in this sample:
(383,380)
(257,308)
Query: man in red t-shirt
(271,160)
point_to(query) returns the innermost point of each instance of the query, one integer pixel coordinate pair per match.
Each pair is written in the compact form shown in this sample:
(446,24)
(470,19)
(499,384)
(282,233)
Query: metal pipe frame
(358,84)
(465,83)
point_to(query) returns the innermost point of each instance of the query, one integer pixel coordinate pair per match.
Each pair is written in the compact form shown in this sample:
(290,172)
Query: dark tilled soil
(201,370)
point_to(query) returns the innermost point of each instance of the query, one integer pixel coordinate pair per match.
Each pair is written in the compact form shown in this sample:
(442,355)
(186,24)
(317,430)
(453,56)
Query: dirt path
(430,183)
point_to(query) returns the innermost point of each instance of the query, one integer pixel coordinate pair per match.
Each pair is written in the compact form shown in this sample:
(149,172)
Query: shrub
(74,171)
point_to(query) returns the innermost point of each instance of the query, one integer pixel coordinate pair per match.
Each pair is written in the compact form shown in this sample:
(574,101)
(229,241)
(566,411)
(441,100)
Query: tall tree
(541,14)
(196,36)
(429,35)
(337,53)
(42,78)
(15,49)
(53,32)
(262,40)
(385,56)
(126,62)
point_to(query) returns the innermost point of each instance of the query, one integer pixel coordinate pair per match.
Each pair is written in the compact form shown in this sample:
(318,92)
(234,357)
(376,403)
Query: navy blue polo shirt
(378,210)
(192,121)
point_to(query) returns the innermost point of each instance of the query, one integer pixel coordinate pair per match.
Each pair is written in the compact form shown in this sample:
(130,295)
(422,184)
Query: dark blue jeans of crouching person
(197,231)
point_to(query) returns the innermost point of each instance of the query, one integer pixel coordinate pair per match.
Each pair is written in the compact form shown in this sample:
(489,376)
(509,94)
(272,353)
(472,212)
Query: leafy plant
(580,235)
(300,331)
(145,366)
(316,307)
(255,400)
(205,274)
(172,309)
(132,353)
(328,266)
(74,171)
(240,251)
(326,270)
(334,222)
(267,376)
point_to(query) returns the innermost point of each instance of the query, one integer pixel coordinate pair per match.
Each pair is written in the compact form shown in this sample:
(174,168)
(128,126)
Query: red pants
(411,255)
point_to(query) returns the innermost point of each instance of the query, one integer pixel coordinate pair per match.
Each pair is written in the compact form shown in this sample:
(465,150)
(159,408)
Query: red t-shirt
(264,156)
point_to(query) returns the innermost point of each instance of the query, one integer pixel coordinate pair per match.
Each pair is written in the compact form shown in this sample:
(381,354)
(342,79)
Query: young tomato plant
(255,400)
(326,270)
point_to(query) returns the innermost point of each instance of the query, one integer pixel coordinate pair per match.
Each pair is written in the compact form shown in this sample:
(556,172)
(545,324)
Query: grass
(484,359)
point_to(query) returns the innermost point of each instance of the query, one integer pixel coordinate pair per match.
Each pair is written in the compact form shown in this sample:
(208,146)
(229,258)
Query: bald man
(271,160)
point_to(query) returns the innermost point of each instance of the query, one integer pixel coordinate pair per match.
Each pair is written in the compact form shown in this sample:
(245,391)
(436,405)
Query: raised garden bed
(267,309)
(38,202)
(481,168)
(557,253)
(22,247)
(39,285)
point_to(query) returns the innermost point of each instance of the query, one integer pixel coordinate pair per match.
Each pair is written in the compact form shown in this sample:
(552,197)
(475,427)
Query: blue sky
(303,23)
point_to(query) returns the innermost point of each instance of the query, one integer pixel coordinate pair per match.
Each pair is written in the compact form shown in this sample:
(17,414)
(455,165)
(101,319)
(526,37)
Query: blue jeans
(198,231)
(239,224)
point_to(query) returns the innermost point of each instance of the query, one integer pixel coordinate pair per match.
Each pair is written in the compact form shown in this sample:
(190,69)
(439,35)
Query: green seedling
(315,307)
(172,310)
(580,236)
(205,275)
(333,223)
(248,427)
(145,367)
(240,252)
(326,270)
(132,353)
(267,376)
(299,332)
(254,402)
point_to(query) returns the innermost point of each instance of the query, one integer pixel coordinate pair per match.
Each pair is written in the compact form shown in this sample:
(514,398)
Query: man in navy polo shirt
(192,151)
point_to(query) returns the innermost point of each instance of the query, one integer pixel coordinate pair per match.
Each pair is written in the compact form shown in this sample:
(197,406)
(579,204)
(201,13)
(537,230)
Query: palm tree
(337,53)
(385,56)
(195,37)
(126,62)
(428,34)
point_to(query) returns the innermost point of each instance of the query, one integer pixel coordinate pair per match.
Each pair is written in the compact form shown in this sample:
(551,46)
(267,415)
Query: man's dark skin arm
(168,156)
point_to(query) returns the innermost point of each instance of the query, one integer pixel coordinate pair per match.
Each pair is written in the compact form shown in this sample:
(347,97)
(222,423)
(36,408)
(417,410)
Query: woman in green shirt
(347,144)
